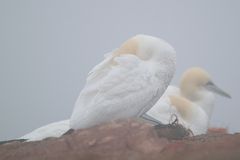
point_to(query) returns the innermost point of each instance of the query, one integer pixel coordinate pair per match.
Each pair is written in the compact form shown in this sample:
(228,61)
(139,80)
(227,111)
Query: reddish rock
(126,139)
(217,130)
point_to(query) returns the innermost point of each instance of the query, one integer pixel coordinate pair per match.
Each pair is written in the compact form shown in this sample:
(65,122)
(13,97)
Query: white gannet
(55,129)
(192,103)
(127,83)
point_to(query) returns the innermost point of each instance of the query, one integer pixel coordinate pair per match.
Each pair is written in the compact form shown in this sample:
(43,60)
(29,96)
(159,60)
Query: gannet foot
(150,119)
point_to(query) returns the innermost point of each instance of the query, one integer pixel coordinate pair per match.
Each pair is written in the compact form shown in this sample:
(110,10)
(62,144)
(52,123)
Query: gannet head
(152,49)
(148,48)
(196,83)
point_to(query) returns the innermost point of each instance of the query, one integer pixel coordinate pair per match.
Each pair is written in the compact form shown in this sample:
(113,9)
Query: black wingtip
(13,140)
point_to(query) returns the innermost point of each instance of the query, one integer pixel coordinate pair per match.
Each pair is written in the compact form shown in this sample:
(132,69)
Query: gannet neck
(206,102)
(193,116)
(183,106)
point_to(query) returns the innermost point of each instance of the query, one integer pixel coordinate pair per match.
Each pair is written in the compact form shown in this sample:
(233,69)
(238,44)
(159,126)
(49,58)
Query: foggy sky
(47,48)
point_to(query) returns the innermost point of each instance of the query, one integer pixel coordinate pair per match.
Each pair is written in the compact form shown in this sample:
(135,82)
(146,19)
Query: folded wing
(119,83)
(55,129)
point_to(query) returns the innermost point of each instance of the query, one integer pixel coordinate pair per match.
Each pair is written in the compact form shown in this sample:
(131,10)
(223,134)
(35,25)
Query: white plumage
(126,83)
(55,129)
(192,103)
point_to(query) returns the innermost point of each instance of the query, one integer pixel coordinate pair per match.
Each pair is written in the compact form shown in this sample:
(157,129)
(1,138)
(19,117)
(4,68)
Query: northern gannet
(192,102)
(127,83)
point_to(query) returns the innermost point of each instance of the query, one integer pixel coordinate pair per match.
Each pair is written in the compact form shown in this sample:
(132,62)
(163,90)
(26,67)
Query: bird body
(192,102)
(127,83)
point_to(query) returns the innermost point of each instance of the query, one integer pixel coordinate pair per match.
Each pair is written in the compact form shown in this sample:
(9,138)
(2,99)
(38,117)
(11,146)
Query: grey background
(47,48)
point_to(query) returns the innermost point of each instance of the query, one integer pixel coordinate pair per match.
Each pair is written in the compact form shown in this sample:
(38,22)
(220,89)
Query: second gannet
(192,102)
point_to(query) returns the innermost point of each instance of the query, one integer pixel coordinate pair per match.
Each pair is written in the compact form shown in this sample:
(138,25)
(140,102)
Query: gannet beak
(213,88)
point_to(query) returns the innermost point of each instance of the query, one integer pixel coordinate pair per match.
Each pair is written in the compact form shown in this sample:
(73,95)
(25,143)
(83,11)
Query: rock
(217,130)
(127,139)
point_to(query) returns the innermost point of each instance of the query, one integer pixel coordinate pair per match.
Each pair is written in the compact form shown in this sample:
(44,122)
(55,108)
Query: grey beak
(215,89)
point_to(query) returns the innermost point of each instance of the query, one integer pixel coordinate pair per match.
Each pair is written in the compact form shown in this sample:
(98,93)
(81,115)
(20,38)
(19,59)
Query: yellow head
(196,81)
(148,48)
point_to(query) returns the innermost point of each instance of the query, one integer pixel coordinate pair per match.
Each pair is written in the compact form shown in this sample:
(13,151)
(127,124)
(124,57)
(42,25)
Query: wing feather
(55,129)
(128,84)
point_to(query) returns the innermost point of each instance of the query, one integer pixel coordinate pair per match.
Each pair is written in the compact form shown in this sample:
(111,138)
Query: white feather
(55,129)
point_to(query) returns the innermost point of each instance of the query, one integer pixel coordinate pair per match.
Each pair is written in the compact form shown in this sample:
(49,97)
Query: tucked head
(195,82)
(147,48)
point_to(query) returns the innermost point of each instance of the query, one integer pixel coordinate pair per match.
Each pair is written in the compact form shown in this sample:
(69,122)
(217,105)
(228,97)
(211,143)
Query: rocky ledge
(127,139)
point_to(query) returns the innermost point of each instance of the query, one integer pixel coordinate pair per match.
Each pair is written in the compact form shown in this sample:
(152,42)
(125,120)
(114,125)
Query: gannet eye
(209,83)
